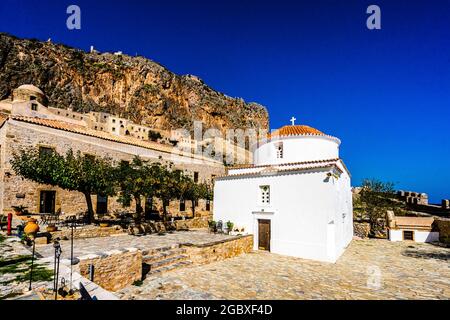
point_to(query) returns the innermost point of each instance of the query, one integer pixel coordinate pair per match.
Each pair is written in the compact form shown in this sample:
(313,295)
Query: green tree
(375,199)
(74,172)
(171,184)
(136,180)
(193,191)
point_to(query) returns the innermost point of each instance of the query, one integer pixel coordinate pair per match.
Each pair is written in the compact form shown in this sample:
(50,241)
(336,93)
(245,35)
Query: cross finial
(293,121)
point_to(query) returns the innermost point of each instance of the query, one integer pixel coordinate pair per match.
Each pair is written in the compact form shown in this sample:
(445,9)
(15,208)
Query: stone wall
(88,232)
(361,229)
(194,223)
(113,270)
(443,226)
(15,191)
(220,250)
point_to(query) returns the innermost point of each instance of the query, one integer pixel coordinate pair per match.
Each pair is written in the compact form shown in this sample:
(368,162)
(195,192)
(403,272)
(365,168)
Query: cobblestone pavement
(14,269)
(369,269)
(95,245)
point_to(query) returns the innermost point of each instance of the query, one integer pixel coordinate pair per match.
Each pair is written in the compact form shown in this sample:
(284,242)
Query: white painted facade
(310,202)
(419,235)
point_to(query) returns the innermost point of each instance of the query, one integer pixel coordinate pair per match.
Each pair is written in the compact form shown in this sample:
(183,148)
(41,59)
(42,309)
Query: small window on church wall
(265,195)
(34,106)
(279,147)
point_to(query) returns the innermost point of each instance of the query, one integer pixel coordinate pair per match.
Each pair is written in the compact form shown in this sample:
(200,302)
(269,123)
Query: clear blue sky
(385,93)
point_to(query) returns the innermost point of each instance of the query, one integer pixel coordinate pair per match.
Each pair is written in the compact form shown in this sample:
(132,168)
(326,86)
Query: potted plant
(19,210)
(212,226)
(32,228)
(230,226)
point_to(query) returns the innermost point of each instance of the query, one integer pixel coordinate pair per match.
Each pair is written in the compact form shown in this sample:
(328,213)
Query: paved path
(369,269)
(96,245)
(12,282)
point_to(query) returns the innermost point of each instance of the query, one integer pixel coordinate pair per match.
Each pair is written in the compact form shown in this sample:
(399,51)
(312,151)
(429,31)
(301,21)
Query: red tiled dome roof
(296,131)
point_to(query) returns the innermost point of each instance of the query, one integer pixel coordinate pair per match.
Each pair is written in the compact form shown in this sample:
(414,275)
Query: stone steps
(165,259)
(170,267)
(163,255)
(167,262)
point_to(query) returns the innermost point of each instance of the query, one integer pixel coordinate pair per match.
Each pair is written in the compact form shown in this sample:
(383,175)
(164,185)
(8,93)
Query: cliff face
(131,87)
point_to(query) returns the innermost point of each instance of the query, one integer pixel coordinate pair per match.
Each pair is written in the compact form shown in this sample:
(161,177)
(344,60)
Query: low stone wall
(361,229)
(113,270)
(149,227)
(87,232)
(195,223)
(443,226)
(219,250)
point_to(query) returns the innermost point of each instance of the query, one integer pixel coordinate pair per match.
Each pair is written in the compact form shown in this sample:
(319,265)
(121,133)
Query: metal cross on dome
(293,121)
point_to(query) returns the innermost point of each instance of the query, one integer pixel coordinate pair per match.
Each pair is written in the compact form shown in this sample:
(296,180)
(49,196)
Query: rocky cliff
(131,87)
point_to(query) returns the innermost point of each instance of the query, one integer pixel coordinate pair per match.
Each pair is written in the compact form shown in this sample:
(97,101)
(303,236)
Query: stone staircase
(164,259)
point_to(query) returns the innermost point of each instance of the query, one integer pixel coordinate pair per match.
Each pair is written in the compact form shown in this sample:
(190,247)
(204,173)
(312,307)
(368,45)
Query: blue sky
(385,93)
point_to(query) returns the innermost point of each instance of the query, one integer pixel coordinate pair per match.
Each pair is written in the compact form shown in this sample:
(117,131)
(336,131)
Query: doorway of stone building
(47,202)
(264,234)
(102,204)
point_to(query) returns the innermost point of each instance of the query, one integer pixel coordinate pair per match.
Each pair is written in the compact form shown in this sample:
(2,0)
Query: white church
(295,199)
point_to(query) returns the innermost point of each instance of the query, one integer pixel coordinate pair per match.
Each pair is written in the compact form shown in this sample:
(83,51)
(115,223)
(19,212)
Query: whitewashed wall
(298,149)
(306,218)
(419,235)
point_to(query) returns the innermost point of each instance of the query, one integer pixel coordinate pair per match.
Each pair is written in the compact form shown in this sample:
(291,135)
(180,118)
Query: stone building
(28,100)
(411,197)
(26,122)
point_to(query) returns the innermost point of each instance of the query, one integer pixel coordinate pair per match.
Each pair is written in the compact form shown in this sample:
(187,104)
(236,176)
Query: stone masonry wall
(361,229)
(88,232)
(443,226)
(194,223)
(15,191)
(220,250)
(113,270)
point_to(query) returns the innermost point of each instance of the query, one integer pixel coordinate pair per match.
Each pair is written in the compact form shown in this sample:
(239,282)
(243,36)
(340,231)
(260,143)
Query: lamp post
(72,227)
(58,252)
(32,263)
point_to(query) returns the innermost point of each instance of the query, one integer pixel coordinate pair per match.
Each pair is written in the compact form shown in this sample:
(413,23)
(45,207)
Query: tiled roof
(247,166)
(413,222)
(296,131)
(69,127)
(301,166)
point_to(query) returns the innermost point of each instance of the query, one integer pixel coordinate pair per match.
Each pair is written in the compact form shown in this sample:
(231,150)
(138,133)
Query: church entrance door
(264,234)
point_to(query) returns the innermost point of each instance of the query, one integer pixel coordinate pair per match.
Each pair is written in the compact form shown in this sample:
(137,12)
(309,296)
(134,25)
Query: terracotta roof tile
(275,170)
(69,127)
(248,166)
(296,131)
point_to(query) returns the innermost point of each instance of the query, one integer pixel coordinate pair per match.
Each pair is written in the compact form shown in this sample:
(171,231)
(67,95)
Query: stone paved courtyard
(369,269)
(152,241)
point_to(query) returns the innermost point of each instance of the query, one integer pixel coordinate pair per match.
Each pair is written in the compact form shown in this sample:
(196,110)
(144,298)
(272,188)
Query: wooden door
(47,202)
(264,235)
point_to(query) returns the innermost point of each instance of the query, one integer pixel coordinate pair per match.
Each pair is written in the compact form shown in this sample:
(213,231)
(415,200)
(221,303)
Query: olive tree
(72,171)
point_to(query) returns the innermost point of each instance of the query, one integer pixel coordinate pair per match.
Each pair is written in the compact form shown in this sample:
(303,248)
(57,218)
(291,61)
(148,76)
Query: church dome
(298,130)
(296,143)
(30,87)
(28,92)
